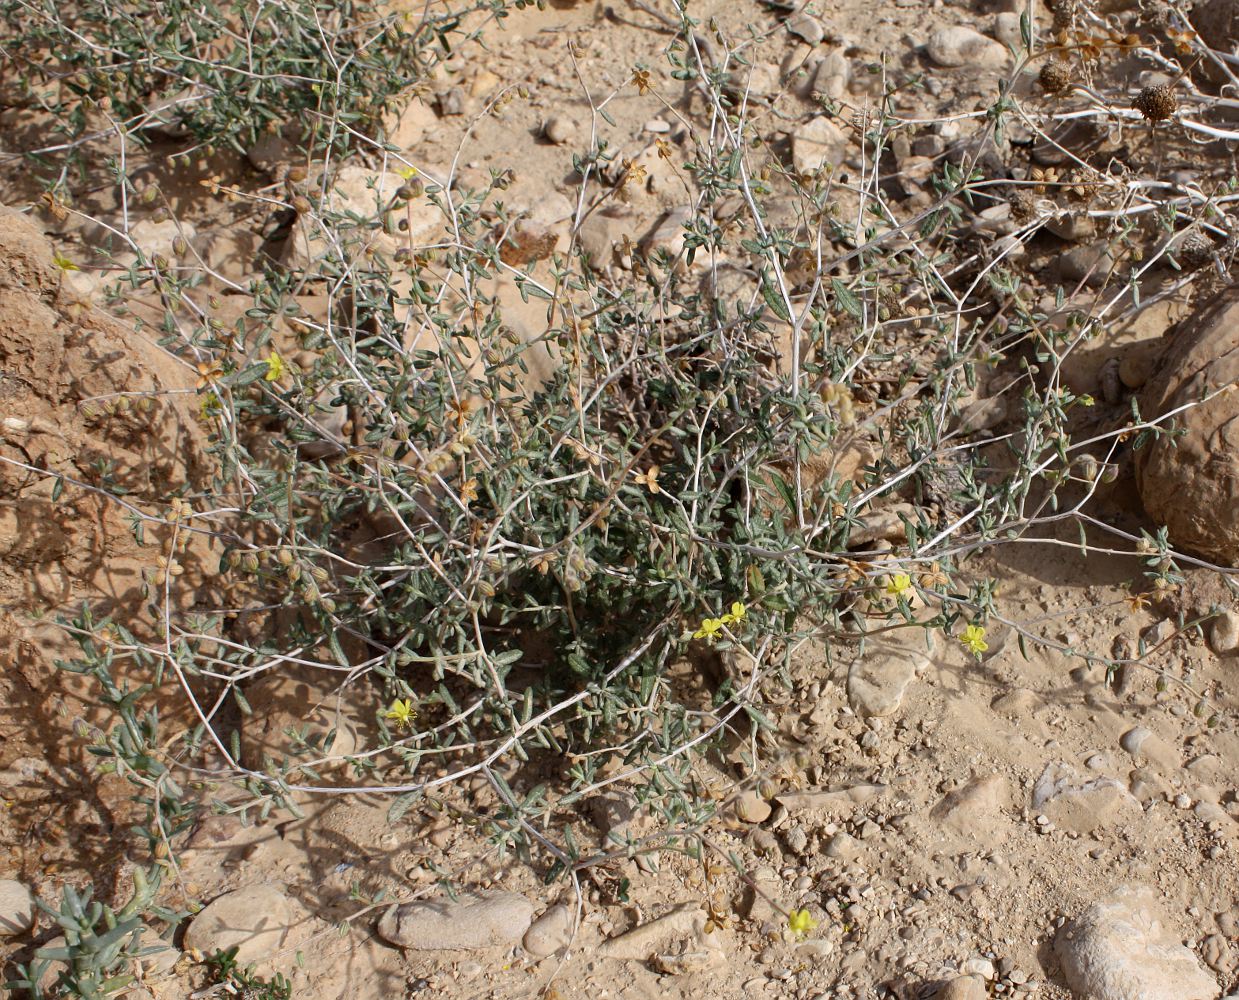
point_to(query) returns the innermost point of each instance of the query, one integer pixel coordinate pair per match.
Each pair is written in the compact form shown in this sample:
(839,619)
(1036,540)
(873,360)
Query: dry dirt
(943,862)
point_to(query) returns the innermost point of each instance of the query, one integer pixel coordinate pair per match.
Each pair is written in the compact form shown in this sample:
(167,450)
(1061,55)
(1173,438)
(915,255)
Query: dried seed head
(1064,12)
(1055,77)
(1156,103)
(1193,250)
(1023,204)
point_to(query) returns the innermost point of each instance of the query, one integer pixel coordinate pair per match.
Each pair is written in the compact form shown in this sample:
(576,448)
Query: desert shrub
(761,430)
(223,74)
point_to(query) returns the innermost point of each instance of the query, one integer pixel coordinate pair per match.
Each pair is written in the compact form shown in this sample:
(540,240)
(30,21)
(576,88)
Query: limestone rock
(408,128)
(1224,633)
(963,988)
(1090,263)
(1189,483)
(878,679)
(806,27)
(550,933)
(831,76)
(818,143)
(257,920)
(752,808)
(1007,30)
(976,806)
(1078,804)
(601,233)
(469,922)
(1120,949)
(962,46)
(559,129)
(17,908)
(683,924)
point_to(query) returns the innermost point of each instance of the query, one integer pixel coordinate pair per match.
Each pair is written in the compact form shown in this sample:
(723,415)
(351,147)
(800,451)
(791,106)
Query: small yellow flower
(710,629)
(641,77)
(468,491)
(664,149)
(275,367)
(209,407)
(1086,400)
(737,614)
(63,262)
(974,639)
(899,585)
(401,712)
(408,173)
(209,372)
(800,922)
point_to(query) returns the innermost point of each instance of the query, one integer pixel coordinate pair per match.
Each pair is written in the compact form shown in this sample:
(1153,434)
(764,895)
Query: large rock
(257,920)
(1189,483)
(1120,949)
(467,923)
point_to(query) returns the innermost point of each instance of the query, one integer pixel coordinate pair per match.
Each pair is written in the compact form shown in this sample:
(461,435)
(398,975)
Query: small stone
(818,143)
(560,130)
(982,967)
(796,839)
(550,933)
(256,920)
(1121,949)
(831,76)
(1090,264)
(17,908)
(1224,633)
(843,846)
(471,921)
(1134,739)
(962,988)
(806,27)
(270,153)
(688,961)
(1008,31)
(962,46)
(752,808)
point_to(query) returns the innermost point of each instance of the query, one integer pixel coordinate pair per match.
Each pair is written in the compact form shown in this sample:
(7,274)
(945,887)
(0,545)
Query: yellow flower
(408,173)
(275,367)
(899,585)
(468,491)
(209,407)
(974,639)
(710,628)
(737,613)
(63,262)
(401,712)
(800,922)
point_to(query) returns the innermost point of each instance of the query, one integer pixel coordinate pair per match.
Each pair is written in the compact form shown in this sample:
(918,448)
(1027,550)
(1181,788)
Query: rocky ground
(1025,824)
